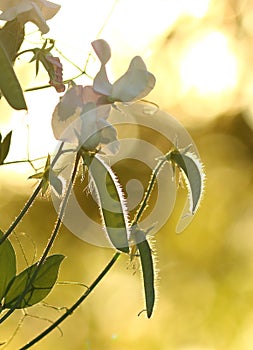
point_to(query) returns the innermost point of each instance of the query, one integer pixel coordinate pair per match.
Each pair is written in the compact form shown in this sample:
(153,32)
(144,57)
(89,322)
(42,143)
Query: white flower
(135,84)
(95,130)
(36,11)
(81,115)
(77,119)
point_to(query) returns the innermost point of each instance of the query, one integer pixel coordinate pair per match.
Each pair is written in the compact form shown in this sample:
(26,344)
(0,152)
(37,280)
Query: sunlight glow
(209,65)
(138,32)
(206,66)
(194,8)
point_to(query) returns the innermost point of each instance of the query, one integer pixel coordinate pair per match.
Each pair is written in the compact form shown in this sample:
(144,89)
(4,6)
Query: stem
(68,60)
(50,242)
(64,82)
(61,213)
(29,202)
(108,266)
(143,204)
(22,213)
(100,32)
(75,305)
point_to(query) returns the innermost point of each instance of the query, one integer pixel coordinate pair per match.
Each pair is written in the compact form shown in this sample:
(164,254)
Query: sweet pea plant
(81,123)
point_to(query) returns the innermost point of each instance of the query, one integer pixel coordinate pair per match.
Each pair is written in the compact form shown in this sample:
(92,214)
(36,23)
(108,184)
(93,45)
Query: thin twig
(22,213)
(144,202)
(49,244)
(29,202)
(74,306)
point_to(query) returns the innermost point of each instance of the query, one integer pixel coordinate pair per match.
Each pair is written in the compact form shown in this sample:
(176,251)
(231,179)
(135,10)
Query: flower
(36,11)
(95,130)
(77,119)
(135,84)
(55,73)
(81,115)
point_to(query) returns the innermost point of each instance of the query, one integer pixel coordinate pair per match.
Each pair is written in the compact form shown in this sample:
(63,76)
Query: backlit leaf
(5,147)
(11,37)
(20,295)
(7,265)
(56,183)
(9,84)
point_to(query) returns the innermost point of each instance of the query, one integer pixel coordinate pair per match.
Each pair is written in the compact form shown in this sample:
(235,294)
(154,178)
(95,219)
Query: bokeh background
(201,54)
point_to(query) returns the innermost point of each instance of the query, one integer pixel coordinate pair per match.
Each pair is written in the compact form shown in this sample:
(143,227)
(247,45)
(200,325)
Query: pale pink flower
(135,84)
(56,78)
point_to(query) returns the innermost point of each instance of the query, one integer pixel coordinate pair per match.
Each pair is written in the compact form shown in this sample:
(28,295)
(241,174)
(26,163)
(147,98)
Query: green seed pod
(194,176)
(111,202)
(147,269)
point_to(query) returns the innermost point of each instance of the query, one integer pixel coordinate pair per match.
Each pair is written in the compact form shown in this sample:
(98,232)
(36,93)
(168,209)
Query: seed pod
(147,269)
(111,203)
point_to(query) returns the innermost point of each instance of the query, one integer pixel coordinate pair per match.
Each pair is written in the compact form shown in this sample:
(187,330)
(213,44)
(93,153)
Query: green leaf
(9,84)
(7,265)
(5,147)
(147,269)
(56,183)
(194,176)
(111,203)
(37,176)
(11,37)
(39,288)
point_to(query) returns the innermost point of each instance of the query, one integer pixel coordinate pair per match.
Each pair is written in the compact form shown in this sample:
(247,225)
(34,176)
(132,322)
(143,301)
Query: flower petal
(9,13)
(35,16)
(108,132)
(90,95)
(109,139)
(101,83)
(89,136)
(102,50)
(67,110)
(48,8)
(136,83)
(37,11)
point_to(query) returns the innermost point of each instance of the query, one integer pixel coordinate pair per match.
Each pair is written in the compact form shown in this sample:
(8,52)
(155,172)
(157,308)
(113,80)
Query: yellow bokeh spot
(194,8)
(209,65)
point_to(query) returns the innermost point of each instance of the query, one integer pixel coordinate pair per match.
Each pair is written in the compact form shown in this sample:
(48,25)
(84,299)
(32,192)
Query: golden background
(201,54)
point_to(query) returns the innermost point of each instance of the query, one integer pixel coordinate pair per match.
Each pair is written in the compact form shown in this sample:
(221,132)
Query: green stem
(75,305)
(29,202)
(108,266)
(143,204)
(61,213)
(22,213)
(50,242)
(64,82)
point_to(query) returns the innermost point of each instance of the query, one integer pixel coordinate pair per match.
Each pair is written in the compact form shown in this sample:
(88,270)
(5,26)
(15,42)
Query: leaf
(39,288)
(7,265)
(56,183)
(111,203)
(147,269)
(37,176)
(9,84)
(5,147)
(194,176)
(11,37)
